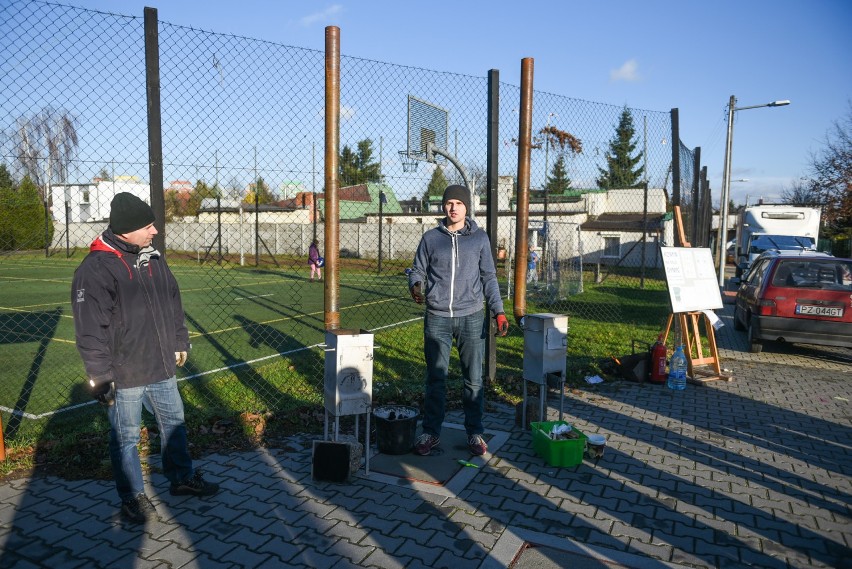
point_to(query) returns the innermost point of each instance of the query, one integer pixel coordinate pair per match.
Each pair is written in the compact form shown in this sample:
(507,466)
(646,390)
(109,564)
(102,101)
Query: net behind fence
(243,131)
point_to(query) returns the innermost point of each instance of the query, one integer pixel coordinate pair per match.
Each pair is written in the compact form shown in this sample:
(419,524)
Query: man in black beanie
(131,335)
(453,272)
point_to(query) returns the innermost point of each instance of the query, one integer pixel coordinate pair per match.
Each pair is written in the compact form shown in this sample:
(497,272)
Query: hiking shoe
(477,445)
(138,509)
(425,444)
(194,486)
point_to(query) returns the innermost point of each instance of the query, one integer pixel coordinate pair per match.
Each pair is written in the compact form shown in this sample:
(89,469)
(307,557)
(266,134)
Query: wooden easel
(691,332)
(694,347)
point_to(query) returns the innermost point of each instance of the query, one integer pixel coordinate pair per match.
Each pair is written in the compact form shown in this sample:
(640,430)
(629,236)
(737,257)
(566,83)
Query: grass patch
(260,404)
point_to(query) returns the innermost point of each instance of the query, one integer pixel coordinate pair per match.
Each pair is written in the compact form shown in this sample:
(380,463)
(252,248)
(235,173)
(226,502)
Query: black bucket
(396,426)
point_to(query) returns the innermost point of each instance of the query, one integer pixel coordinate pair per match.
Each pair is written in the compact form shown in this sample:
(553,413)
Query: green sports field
(239,319)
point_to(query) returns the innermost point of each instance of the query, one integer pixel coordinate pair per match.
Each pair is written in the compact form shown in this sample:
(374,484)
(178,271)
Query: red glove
(417,293)
(502,324)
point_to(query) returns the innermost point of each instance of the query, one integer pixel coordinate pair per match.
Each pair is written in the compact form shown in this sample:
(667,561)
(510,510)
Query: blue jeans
(162,399)
(469,334)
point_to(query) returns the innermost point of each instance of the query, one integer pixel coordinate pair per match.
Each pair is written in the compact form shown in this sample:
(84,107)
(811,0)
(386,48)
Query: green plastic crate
(567,452)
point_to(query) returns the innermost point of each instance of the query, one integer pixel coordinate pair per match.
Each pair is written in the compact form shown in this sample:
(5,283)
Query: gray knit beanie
(457,193)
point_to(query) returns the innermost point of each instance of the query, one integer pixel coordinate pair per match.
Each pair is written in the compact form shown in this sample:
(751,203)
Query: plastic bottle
(677,370)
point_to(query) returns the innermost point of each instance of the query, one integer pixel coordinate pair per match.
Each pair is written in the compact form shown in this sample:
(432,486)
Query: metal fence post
(155,128)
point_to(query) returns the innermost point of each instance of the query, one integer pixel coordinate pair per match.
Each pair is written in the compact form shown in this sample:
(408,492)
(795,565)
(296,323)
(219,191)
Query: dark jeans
(469,334)
(125,418)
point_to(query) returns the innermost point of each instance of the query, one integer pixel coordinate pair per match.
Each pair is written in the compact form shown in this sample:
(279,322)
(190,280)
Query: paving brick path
(749,473)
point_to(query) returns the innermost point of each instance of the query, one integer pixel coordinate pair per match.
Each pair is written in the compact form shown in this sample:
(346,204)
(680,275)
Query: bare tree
(476,174)
(801,192)
(831,173)
(45,144)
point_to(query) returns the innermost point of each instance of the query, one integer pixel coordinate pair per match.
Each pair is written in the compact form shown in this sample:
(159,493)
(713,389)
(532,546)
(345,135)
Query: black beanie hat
(128,213)
(457,193)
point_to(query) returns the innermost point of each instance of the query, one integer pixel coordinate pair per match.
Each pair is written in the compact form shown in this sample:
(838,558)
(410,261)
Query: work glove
(103,392)
(180,358)
(417,293)
(502,324)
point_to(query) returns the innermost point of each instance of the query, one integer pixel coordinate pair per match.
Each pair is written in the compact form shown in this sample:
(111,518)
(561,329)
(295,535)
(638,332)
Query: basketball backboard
(427,123)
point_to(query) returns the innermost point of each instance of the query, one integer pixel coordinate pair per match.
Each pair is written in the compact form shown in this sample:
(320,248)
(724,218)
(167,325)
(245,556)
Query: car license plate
(833,311)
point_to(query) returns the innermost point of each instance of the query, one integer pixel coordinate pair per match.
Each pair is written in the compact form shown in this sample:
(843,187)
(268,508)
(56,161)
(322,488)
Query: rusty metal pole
(332,212)
(522,218)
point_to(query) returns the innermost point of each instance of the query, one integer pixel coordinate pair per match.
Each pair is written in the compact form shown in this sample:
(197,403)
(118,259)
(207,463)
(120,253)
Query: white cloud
(321,16)
(627,72)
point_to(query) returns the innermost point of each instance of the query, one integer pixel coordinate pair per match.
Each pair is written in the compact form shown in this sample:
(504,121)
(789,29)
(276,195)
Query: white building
(90,202)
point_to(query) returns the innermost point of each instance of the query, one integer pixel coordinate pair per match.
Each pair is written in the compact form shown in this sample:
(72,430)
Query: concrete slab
(439,473)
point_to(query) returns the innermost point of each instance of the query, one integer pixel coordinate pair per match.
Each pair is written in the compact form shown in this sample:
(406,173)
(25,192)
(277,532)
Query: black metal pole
(219,222)
(675,160)
(155,129)
(381,203)
(67,225)
(696,180)
(491,179)
(315,215)
(256,226)
(47,225)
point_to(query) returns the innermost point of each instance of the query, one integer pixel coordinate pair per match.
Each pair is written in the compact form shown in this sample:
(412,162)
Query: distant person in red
(315,260)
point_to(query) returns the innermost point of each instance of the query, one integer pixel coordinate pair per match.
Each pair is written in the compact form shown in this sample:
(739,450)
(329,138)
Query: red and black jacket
(128,316)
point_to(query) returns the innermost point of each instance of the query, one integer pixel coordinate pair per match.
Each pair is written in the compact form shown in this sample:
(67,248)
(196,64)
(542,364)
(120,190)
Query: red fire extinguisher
(658,361)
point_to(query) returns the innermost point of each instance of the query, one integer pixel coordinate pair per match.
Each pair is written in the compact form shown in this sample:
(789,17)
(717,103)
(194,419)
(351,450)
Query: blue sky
(654,55)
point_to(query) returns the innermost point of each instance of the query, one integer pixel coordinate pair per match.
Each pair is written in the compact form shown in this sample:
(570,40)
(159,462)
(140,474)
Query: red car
(789,296)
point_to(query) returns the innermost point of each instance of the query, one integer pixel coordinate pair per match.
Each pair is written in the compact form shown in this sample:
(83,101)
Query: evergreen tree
(357,167)
(6,181)
(622,170)
(437,184)
(8,199)
(28,212)
(558,181)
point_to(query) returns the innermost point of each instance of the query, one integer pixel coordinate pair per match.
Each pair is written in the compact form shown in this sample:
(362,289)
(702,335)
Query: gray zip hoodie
(457,271)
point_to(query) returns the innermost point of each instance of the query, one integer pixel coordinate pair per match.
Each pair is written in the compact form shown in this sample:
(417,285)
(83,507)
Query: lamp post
(726,180)
(383,199)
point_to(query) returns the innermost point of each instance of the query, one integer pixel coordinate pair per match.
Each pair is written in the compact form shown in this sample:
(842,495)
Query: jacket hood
(470,226)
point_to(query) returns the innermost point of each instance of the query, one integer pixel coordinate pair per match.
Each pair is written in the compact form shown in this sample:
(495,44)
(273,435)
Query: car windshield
(781,243)
(831,274)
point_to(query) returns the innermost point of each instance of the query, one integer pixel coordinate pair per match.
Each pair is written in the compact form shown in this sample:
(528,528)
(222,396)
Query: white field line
(194,376)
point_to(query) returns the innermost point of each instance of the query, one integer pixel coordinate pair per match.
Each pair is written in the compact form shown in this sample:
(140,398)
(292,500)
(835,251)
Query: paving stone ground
(749,473)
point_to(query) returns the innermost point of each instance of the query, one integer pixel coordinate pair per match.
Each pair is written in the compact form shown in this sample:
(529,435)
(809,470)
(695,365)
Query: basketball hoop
(409,164)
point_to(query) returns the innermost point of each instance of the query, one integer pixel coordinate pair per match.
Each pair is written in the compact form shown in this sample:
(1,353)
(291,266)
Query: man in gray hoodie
(453,273)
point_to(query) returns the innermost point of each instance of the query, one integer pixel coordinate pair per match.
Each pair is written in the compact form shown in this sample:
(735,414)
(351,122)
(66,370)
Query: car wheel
(738,325)
(754,345)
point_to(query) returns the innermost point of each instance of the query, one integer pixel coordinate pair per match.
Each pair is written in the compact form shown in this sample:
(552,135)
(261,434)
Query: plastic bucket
(396,426)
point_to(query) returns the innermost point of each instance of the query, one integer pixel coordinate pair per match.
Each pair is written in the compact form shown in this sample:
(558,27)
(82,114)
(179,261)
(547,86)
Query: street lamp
(726,180)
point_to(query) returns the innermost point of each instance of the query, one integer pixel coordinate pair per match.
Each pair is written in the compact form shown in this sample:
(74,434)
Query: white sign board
(691,277)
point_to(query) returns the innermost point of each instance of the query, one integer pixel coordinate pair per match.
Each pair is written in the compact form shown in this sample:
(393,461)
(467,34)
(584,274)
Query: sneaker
(138,509)
(477,445)
(194,486)
(425,444)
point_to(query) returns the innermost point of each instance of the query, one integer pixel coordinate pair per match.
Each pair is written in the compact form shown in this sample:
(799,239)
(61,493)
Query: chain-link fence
(243,170)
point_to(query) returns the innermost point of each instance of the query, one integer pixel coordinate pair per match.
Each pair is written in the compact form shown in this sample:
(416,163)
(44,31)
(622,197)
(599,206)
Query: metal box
(348,372)
(545,346)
